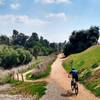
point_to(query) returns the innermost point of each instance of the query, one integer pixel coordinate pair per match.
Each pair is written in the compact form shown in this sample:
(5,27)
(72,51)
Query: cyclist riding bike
(74,85)
(74,74)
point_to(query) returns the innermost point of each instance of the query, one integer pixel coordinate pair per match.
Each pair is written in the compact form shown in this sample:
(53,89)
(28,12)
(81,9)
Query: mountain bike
(74,86)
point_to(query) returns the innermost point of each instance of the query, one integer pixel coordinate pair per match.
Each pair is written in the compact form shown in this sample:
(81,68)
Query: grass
(25,88)
(85,62)
(40,75)
(93,86)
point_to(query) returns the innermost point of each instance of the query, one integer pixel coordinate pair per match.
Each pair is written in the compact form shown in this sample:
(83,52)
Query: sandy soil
(14,97)
(5,96)
(54,92)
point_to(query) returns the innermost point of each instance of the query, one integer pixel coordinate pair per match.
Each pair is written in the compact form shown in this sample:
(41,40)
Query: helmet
(73,68)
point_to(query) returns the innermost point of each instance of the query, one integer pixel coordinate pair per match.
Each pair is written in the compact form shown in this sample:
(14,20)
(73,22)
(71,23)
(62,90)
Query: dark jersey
(74,74)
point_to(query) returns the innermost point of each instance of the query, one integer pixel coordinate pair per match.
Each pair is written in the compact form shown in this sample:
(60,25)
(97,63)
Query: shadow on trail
(69,93)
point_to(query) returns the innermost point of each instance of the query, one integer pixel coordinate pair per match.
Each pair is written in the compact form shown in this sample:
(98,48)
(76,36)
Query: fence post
(17,76)
(22,77)
(13,73)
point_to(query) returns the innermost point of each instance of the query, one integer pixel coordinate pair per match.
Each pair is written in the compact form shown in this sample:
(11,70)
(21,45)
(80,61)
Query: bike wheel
(76,89)
(72,85)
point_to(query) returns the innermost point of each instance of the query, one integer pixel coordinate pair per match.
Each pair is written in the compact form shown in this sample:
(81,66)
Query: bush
(22,56)
(5,79)
(94,65)
(28,56)
(10,57)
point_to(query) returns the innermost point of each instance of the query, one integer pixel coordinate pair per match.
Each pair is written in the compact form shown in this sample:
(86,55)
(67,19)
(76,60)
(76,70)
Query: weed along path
(59,87)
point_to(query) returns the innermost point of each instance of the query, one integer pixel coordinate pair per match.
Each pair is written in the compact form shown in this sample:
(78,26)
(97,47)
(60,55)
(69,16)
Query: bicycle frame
(74,86)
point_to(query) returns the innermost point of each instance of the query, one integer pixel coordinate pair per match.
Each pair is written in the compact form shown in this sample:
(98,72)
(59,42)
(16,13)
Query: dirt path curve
(59,75)
(25,80)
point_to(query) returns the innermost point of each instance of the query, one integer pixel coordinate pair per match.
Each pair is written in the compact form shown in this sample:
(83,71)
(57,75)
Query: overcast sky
(53,19)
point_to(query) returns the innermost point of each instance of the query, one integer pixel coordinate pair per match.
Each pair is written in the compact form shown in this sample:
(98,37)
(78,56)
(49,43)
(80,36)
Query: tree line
(36,45)
(19,48)
(81,40)
(12,57)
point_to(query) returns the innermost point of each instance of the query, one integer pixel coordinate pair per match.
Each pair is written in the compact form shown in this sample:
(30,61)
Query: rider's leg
(72,84)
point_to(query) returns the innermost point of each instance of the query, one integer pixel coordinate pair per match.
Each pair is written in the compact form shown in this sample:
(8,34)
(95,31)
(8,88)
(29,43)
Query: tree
(45,43)
(53,46)
(36,50)
(4,39)
(61,46)
(41,39)
(19,38)
(37,46)
(14,36)
(81,40)
(32,40)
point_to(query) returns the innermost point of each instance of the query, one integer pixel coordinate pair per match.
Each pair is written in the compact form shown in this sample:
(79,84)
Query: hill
(88,65)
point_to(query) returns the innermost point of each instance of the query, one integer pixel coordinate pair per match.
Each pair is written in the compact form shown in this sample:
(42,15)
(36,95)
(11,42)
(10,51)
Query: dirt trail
(59,84)
(59,75)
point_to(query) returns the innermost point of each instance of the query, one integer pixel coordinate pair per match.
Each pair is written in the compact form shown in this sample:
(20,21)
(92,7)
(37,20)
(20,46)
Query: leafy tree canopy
(81,40)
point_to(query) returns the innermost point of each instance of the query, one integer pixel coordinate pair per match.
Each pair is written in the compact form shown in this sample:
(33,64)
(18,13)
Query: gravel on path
(14,97)
(54,92)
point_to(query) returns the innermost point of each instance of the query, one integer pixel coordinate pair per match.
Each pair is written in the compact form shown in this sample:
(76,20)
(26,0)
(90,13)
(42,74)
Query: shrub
(22,56)
(10,57)
(94,65)
(85,74)
(5,79)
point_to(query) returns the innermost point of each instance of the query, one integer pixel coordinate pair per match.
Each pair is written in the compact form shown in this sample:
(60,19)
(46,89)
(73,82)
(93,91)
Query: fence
(18,75)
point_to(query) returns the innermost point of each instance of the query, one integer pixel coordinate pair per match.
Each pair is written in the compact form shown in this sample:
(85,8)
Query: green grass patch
(94,65)
(93,86)
(15,82)
(86,59)
(24,88)
(85,74)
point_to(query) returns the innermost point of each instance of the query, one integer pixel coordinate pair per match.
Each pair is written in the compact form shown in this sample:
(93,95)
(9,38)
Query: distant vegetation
(19,48)
(81,40)
(10,56)
(88,65)
(35,44)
